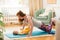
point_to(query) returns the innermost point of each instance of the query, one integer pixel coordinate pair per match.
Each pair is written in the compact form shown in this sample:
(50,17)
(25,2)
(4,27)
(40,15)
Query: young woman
(25,20)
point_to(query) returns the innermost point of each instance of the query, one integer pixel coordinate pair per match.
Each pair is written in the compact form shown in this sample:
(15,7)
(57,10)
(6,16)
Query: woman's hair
(20,13)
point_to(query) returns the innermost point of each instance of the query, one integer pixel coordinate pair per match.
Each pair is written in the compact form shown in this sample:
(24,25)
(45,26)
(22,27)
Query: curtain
(35,5)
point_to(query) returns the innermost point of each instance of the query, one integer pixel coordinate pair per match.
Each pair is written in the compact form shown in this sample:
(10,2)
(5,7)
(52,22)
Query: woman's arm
(31,26)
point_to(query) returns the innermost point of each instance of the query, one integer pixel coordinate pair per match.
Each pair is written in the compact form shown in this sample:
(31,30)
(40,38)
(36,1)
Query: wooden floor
(36,38)
(39,38)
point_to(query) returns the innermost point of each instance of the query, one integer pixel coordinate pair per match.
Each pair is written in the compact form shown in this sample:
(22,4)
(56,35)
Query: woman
(24,20)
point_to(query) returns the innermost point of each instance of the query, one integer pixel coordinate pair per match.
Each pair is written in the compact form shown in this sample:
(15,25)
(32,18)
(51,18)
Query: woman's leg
(46,28)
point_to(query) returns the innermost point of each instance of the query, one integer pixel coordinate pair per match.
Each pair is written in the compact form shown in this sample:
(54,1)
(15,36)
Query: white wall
(55,6)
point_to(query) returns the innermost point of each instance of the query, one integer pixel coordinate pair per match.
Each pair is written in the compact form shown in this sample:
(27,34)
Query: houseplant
(1,26)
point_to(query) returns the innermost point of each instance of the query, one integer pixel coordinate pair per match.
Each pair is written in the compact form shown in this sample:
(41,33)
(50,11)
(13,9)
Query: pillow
(45,13)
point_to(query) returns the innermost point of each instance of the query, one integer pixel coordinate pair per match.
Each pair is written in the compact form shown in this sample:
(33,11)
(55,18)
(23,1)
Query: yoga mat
(34,33)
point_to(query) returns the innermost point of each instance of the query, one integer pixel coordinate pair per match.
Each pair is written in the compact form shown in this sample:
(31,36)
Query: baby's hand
(28,35)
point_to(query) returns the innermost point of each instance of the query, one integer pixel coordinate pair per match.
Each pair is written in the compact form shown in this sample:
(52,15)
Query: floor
(41,38)
(51,37)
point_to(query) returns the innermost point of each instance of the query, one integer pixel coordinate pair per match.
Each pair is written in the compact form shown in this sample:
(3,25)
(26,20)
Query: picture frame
(51,1)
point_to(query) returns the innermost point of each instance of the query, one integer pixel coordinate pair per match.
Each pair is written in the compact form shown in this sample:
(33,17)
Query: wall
(55,6)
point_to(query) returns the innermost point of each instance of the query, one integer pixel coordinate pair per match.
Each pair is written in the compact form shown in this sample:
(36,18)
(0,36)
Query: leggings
(46,28)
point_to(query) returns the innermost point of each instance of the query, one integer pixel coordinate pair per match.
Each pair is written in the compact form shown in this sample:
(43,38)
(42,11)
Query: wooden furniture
(57,29)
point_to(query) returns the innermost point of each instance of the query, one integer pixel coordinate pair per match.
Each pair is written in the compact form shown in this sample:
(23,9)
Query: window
(11,7)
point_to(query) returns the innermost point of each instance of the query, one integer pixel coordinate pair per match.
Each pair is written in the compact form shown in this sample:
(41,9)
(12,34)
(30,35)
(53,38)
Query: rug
(34,33)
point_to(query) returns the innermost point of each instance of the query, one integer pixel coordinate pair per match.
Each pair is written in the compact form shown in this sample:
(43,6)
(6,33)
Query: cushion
(42,17)
(45,13)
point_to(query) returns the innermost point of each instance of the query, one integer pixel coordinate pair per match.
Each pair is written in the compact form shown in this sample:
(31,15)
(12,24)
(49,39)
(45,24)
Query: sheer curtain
(35,5)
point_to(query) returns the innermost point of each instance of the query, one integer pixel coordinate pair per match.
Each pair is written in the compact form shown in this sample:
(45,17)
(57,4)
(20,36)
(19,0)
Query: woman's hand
(29,35)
